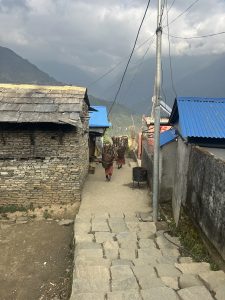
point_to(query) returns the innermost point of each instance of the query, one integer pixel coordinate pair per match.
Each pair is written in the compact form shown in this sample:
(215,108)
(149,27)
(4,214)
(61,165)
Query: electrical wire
(139,66)
(125,71)
(186,10)
(169,52)
(141,45)
(196,37)
(118,64)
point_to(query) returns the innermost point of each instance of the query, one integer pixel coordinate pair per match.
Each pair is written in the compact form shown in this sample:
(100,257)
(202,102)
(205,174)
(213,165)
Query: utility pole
(157,114)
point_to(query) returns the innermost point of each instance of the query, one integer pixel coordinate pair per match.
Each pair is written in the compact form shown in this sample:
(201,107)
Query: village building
(200,169)
(43,144)
(98,123)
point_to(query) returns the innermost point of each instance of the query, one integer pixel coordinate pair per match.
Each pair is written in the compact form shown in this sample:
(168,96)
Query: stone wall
(205,200)
(167,165)
(42,163)
(180,177)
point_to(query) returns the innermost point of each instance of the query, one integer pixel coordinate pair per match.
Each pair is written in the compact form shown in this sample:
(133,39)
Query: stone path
(119,254)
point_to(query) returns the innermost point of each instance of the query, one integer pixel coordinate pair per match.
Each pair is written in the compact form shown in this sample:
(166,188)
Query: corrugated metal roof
(35,103)
(200,117)
(99,117)
(167,137)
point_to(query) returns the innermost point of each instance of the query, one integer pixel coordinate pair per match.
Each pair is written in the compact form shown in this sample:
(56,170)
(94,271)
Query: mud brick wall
(42,164)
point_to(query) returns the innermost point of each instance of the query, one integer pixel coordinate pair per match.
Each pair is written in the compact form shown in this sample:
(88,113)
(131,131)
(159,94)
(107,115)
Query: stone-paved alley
(119,254)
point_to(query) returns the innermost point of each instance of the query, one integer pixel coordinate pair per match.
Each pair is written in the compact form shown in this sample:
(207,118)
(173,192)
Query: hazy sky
(95,34)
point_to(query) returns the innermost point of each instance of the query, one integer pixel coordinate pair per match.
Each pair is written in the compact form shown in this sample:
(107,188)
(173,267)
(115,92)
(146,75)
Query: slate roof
(199,117)
(98,118)
(167,137)
(39,104)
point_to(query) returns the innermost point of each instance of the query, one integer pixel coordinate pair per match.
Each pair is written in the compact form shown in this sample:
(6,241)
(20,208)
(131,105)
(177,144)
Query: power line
(195,37)
(141,45)
(186,10)
(139,66)
(118,64)
(169,50)
(125,71)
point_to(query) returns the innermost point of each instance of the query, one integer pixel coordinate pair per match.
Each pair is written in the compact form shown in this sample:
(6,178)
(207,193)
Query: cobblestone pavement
(121,256)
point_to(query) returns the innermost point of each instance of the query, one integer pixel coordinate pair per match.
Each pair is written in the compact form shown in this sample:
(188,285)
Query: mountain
(69,74)
(121,117)
(15,69)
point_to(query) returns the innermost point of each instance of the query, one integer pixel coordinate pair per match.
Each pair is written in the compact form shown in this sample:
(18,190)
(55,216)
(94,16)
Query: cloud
(95,35)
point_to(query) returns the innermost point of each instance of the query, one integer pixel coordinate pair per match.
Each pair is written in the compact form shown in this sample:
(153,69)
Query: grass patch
(191,241)
(12,209)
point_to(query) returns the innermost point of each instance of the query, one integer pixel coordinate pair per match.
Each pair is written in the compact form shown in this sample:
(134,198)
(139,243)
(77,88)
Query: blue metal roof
(99,117)
(167,137)
(200,117)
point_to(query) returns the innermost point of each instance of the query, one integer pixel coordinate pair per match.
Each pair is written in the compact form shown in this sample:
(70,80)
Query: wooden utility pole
(157,114)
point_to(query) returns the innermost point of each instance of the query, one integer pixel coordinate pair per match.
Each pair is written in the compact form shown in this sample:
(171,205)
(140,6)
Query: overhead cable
(195,37)
(131,54)
(169,52)
(184,12)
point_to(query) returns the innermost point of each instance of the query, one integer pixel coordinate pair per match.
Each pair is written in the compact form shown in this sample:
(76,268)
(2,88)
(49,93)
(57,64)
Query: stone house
(200,167)
(43,144)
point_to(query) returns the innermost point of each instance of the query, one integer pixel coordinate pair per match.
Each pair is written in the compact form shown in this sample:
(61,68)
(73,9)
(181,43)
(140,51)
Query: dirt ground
(36,261)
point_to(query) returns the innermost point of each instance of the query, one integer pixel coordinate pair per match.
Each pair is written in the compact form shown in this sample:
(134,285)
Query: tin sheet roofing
(200,117)
(24,103)
(167,137)
(99,117)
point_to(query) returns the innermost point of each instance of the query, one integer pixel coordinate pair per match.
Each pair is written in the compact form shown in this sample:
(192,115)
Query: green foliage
(191,241)
(12,208)
(46,214)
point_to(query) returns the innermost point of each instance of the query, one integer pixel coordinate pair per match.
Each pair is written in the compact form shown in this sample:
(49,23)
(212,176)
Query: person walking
(108,156)
(120,144)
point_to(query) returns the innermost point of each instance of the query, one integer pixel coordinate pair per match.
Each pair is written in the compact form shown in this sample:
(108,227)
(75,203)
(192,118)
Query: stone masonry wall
(205,200)
(42,164)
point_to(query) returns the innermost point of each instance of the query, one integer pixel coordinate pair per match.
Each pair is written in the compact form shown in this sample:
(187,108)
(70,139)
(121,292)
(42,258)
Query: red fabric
(120,161)
(109,170)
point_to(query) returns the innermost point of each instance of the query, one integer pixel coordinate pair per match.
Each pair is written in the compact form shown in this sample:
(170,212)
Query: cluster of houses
(44,143)
(48,135)
(192,164)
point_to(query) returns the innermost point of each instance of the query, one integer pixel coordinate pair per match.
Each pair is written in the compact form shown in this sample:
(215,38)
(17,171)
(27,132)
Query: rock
(91,279)
(148,283)
(22,220)
(102,237)
(88,245)
(213,279)
(85,237)
(89,253)
(167,260)
(149,252)
(159,293)
(220,292)
(167,270)
(66,222)
(189,280)
(91,261)
(144,271)
(127,253)
(145,216)
(100,226)
(123,278)
(124,295)
(195,293)
(146,243)
(122,262)
(111,253)
(171,282)
(193,268)
(87,296)
(152,261)
(117,227)
(185,260)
